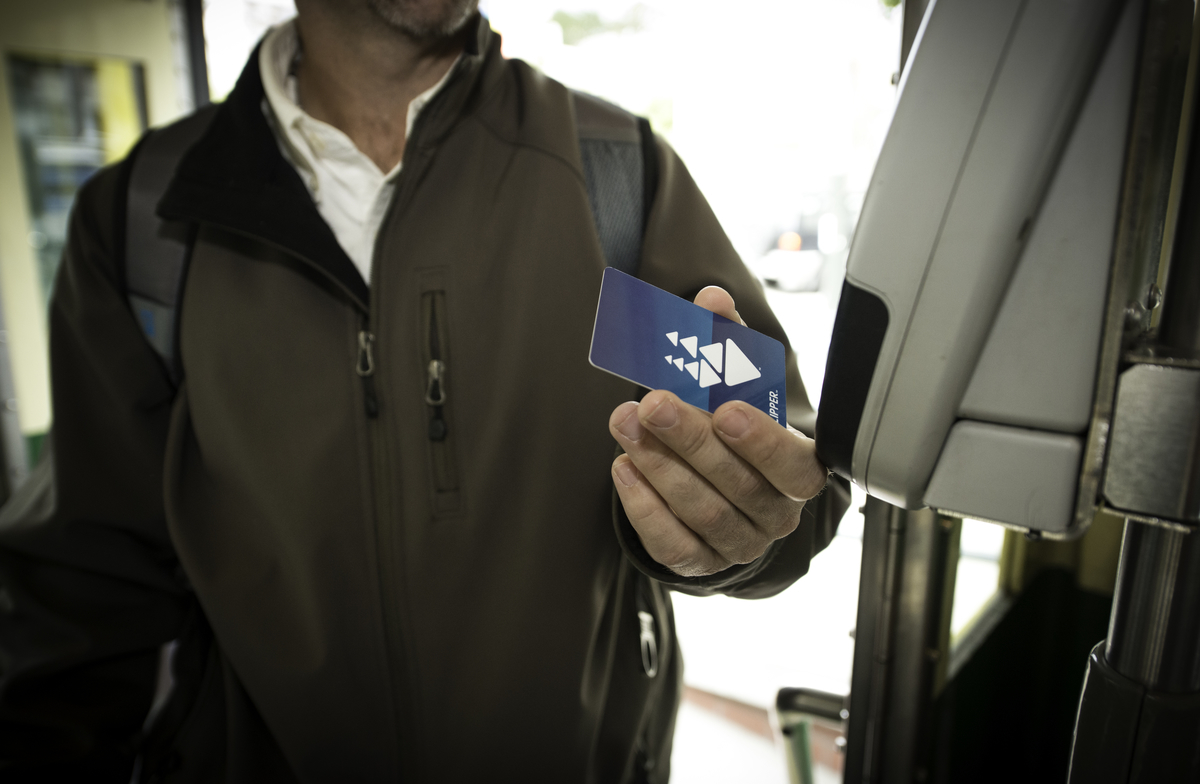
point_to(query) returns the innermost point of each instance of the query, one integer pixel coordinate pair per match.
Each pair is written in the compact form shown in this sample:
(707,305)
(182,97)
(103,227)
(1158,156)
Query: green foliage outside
(661,114)
(577,27)
(33,447)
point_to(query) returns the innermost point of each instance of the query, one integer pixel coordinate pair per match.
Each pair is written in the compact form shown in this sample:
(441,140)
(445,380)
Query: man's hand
(705,491)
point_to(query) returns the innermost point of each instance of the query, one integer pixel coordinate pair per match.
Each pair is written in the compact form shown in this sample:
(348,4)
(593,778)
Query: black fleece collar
(235,176)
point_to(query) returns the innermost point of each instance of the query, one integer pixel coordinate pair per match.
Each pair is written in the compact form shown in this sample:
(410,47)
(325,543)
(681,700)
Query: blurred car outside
(793,264)
(789,270)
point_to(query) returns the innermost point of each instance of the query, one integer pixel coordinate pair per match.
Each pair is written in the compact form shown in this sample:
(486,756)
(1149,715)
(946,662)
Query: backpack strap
(620,166)
(157,251)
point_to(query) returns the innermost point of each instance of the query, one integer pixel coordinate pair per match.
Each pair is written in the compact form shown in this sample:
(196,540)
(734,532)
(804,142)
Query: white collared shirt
(349,190)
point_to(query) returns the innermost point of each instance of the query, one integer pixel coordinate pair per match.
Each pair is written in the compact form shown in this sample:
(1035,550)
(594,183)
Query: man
(369,581)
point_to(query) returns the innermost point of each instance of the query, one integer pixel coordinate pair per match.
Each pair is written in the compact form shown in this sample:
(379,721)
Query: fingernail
(734,424)
(664,416)
(626,473)
(630,427)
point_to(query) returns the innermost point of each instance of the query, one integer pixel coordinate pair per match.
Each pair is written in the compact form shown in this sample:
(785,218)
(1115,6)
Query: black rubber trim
(858,332)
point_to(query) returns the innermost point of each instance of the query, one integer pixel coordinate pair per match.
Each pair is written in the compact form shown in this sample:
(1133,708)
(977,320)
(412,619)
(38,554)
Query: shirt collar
(234,177)
(276,58)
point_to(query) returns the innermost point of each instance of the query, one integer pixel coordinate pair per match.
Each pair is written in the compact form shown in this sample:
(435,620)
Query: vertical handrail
(900,624)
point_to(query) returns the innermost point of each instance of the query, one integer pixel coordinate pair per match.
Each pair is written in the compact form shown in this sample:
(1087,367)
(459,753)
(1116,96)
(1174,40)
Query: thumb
(717,300)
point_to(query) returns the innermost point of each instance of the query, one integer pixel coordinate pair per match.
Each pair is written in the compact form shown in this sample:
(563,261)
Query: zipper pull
(435,395)
(366,357)
(365,368)
(649,644)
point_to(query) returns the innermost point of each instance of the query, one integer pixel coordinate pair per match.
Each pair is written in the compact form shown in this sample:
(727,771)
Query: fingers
(705,492)
(664,536)
(657,489)
(792,468)
(687,454)
(719,301)
(699,499)
(785,457)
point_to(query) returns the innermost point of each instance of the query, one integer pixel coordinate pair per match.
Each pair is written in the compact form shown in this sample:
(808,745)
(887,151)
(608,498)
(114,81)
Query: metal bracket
(1153,466)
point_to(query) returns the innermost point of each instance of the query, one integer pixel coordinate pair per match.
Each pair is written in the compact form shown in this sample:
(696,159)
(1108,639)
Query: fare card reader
(963,362)
(1003,350)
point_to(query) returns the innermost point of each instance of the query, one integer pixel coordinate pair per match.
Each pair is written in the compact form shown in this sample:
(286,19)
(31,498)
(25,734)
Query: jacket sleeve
(685,249)
(89,588)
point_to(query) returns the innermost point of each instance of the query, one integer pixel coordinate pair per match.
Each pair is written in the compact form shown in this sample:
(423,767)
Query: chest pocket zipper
(440,437)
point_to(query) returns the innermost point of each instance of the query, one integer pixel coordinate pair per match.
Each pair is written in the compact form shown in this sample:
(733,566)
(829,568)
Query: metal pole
(1139,716)
(1154,632)
(882,556)
(901,612)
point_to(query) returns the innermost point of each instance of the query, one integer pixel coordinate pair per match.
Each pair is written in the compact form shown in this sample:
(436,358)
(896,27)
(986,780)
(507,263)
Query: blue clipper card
(653,338)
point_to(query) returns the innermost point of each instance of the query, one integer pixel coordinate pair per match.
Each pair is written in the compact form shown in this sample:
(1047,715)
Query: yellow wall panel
(119,114)
(112,32)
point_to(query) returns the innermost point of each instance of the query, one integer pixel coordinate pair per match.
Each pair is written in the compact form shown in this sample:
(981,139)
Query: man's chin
(425,19)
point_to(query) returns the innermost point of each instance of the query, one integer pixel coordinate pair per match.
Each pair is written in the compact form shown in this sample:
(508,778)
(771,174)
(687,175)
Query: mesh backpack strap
(156,251)
(620,166)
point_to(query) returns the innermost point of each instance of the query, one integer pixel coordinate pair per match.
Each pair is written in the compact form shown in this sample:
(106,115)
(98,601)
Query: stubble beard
(425,19)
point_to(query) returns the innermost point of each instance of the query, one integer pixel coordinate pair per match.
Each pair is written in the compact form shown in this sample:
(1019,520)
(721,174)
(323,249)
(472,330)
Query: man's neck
(359,75)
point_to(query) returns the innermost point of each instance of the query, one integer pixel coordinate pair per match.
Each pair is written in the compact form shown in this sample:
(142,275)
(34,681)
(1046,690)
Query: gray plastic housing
(987,232)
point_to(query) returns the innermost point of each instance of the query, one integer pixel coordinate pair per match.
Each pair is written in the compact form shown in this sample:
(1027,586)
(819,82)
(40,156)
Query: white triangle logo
(689,344)
(679,363)
(713,355)
(692,367)
(738,367)
(708,376)
(669,359)
(673,337)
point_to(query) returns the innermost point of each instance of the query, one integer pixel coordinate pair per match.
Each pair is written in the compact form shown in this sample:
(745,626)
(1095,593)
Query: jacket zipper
(365,368)
(435,382)
(435,396)
(379,457)
(438,432)
(388,531)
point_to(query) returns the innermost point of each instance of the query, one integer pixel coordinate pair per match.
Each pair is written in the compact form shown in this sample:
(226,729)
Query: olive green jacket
(353,599)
